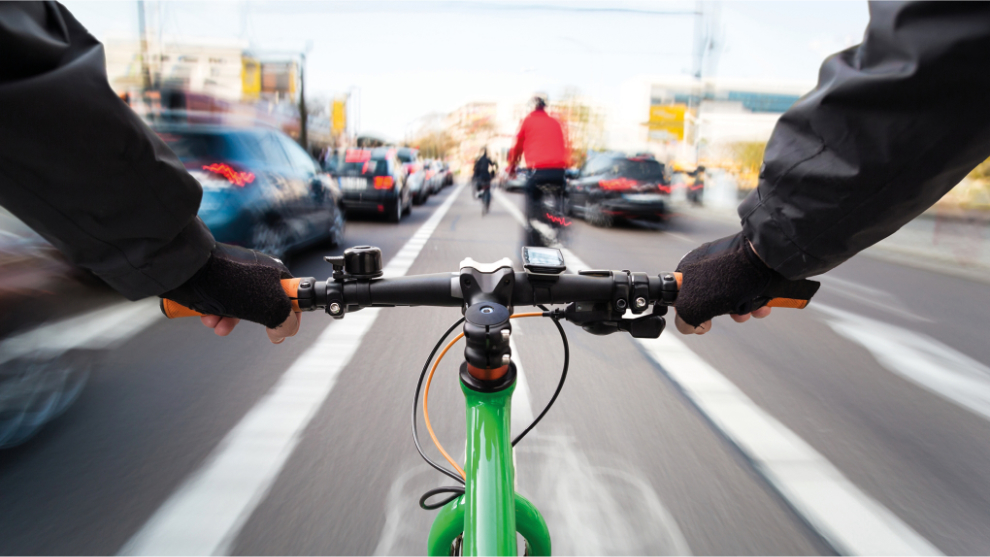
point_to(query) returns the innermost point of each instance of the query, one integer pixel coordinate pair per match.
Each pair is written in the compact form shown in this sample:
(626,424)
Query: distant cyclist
(697,190)
(542,142)
(484,170)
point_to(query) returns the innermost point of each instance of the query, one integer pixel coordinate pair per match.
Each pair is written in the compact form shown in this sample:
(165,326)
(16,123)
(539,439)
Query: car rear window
(370,167)
(191,146)
(642,170)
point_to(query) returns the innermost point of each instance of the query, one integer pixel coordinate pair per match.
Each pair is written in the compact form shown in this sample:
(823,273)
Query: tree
(748,155)
(982,171)
(434,144)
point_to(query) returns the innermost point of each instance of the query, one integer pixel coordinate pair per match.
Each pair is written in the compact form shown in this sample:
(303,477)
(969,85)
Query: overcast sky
(414,58)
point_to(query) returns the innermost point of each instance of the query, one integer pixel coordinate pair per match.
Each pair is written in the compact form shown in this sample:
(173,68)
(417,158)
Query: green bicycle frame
(490,512)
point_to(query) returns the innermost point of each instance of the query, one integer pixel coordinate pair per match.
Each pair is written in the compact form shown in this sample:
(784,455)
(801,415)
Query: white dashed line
(204,516)
(918,358)
(850,520)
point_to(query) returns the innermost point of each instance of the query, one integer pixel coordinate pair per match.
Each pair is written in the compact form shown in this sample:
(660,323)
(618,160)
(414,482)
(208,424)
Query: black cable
(415,430)
(563,375)
(455,490)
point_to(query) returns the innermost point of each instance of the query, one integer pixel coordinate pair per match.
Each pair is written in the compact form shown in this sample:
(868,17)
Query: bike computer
(543,261)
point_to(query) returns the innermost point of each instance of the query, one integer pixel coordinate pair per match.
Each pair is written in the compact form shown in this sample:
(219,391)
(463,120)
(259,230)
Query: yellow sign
(338,117)
(250,78)
(667,120)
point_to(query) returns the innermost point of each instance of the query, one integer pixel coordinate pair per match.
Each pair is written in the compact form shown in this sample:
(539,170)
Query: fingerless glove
(726,276)
(238,282)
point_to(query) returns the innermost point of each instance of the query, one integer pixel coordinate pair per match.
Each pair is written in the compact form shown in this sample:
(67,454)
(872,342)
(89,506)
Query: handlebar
(444,290)
(360,286)
(597,300)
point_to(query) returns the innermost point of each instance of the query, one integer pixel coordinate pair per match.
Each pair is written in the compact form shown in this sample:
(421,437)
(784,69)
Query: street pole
(303,116)
(145,72)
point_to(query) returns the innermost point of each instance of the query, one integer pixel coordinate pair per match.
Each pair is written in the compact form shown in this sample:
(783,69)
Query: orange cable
(426,412)
(426,393)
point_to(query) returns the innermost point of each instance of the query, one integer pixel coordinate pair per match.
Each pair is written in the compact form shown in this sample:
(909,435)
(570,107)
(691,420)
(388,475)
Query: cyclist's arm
(893,124)
(80,168)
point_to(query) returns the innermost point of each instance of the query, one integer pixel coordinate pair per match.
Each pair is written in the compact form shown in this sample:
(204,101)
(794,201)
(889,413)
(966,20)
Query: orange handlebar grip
(291,287)
(787,303)
(174,310)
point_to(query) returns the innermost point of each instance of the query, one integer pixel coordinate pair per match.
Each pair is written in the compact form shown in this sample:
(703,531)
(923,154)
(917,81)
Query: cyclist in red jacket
(542,141)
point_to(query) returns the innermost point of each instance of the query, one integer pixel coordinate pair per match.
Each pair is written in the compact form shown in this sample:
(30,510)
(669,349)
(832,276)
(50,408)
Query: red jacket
(541,140)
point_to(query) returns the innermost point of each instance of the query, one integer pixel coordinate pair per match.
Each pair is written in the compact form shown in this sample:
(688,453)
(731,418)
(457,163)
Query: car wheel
(596,216)
(32,393)
(396,211)
(271,239)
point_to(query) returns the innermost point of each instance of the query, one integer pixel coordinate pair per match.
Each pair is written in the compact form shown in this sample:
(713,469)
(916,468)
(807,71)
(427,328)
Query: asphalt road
(178,444)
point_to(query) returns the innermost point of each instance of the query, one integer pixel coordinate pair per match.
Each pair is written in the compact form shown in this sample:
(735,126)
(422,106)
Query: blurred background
(857,426)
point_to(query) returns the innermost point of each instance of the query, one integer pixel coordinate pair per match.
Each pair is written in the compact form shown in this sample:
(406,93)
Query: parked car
(434,175)
(416,180)
(517,182)
(373,180)
(407,155)
(448,175)
(613,186)
(260,189)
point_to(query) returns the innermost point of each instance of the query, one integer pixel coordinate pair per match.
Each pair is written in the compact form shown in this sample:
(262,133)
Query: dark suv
(373,180)
(613,186)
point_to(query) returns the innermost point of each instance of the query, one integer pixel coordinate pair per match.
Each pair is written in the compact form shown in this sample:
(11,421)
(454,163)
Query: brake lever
(600,319)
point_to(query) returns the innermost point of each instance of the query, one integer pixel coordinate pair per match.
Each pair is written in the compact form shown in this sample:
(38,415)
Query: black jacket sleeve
(893,124)
(78,166)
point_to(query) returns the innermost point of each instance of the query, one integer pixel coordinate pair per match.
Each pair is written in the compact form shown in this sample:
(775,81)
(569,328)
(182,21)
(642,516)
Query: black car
(612,187)
(260,189)
(373,180)
(517,182)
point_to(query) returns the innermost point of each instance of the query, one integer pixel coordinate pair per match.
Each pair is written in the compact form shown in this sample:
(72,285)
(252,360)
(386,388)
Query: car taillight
(383,182)
(663,188)
(233,176)
(617,184)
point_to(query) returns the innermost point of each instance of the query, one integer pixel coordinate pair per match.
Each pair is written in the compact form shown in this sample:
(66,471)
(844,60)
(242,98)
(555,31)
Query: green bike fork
(490,512)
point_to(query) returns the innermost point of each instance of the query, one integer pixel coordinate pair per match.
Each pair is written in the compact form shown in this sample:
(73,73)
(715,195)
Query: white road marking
(206,513)
(591,510)
(918,358)
(522,407)
(98,329)
(850,520)
(870,296)
(510,207)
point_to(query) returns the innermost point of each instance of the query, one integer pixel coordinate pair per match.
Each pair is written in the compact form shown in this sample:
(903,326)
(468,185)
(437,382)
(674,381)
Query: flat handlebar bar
(443,290)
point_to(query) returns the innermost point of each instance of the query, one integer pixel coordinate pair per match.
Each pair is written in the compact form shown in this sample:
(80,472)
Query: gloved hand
(727,277)
(238,283)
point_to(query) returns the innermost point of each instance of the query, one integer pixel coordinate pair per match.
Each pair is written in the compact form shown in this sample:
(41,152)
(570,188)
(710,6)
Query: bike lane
(620,465)
(154,410)
(883,380)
